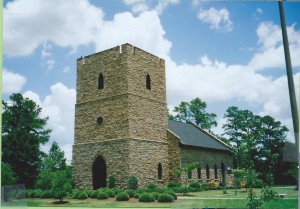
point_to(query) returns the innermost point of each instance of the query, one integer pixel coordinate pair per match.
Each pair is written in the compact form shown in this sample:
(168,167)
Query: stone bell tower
(120,118)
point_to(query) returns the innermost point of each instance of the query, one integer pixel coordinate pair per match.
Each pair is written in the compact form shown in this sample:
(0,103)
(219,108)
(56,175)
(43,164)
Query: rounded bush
(38,193)
(82,196)
(172,184)
(146,197)
(102,196)
(195,185)
(165,197)
(122,196)
(117,190)
(160,190)
(155,195)
(110,193)
(172,194)
(136,195)
(94,194)
(152,186)
(21,194)
(111,182)
(47,194)
(130,192)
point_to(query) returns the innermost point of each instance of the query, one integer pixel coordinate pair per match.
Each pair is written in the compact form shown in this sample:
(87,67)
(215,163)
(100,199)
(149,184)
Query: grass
(212,199)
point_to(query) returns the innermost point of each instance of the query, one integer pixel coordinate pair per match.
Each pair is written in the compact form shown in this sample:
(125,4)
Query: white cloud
(66,69)
(270,54)
(12,82)
(137,5)
(162,4)
(28,23)
(145,32)
(59,106)
(259,10)
(217,19)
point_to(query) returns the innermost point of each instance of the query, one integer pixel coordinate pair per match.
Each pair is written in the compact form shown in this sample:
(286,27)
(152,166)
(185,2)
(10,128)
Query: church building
(122,127)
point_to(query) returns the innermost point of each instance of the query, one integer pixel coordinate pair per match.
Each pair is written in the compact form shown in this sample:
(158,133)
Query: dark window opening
(159,171)
(199,172)
(216,171)
(99,173)
(207,171)
(100,82)
(99,120)
(223,172)
(148,82)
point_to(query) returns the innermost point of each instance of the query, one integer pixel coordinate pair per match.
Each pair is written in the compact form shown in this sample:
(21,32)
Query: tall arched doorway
(99,173)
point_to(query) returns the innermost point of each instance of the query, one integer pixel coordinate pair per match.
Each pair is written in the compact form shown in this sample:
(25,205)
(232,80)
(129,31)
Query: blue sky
(224,52)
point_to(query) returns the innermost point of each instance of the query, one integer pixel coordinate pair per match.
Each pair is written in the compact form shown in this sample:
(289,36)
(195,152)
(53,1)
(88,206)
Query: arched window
(199,172)
(207,171)
(148,82)
(159,171)
(100,82)
(216,171)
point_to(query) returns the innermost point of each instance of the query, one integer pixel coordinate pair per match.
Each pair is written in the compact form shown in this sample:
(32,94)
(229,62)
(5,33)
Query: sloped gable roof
(192,135)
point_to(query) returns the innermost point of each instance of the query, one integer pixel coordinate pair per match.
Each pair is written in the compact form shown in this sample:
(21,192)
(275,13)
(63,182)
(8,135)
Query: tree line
(257,143)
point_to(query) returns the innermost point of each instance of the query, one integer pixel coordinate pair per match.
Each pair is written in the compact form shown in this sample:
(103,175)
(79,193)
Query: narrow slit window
(100,81)
(207,171)
(148,82)
(216,171)
(199,172)
(159,171)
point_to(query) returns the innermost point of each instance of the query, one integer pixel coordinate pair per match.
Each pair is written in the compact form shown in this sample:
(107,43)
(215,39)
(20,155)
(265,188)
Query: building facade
(121,120)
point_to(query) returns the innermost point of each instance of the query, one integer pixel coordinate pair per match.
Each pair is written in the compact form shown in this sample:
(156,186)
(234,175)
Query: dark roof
(192,135)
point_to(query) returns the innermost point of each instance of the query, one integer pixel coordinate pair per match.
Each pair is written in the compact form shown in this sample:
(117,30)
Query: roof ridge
(214,137)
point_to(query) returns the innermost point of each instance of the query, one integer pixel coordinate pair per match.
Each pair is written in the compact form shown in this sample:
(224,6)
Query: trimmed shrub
(122,196)
(136,195)
(165,197)
(145,190)
(82,196)
(38,193)
(130,192)
(152,186)
(110,193)
(21,194)
(111,182)
(195,185)
(180,189)
(160,190)
(155,195)
(102,196)
(173,184)
(172,194)
(117,190)
(94,194)
(133,183)
(47,194)
(146,197)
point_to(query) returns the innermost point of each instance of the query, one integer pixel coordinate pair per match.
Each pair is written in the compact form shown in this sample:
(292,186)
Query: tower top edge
(120,49)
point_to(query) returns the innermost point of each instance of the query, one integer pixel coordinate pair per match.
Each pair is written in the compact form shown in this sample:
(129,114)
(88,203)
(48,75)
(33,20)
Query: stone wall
(114,152)
(132,137)
(205,157)
(173,154)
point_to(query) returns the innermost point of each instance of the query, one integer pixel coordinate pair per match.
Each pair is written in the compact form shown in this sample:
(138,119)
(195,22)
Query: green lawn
(212,199)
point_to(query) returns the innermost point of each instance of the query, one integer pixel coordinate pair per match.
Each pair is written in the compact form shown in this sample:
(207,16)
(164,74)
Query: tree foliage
(195,111)
(8,177)
(23,131)
(257,141)
(61,184)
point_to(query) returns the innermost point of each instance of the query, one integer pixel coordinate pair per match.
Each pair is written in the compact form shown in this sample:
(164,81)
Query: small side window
(99,120)
(148,82)
(100,82)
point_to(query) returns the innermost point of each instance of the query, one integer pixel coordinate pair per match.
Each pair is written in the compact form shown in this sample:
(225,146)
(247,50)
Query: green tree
(23,131)
(8,177)
(182,111)
(52,162)
(61,184)
(194,111)
(200,116)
